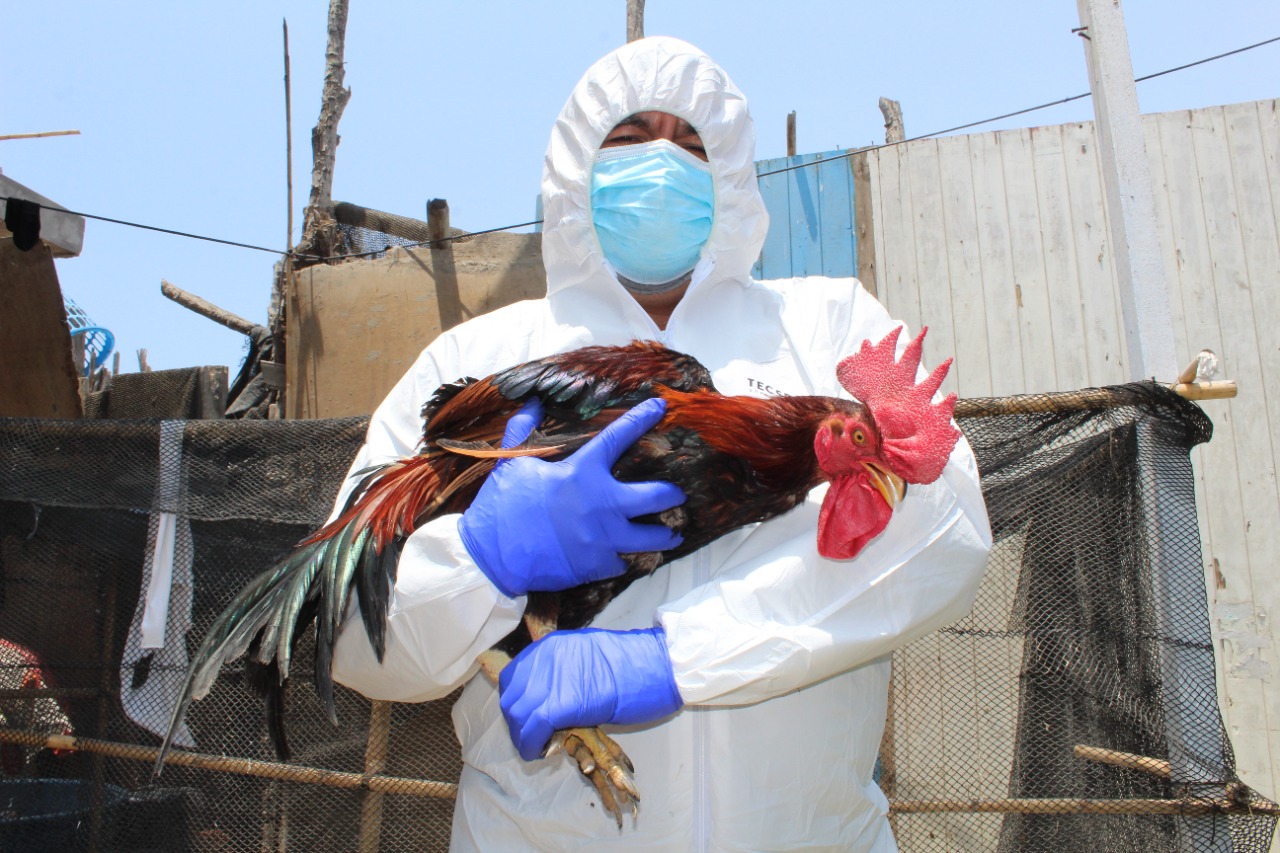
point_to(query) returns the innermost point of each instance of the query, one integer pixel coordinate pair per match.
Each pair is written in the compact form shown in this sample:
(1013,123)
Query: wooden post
(106,701)
(1126,183)
(892,112)
(791,133)
(375,764)
(438,223)
(635,20)
(319,231)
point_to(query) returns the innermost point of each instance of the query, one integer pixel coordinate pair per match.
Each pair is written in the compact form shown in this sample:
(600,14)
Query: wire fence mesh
(1090,632)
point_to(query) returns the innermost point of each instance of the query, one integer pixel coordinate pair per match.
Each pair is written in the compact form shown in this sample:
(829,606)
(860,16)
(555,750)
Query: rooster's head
(898,436)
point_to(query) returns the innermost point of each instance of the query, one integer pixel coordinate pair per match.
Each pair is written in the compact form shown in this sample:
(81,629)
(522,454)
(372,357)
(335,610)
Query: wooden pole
(438,223)
(1088,398)
(375,763)
(41,135)
(635,20)
(106,677)
(1154,766)
(791,133)
(205,308)
(288,141)
(238,766)
(1185,807)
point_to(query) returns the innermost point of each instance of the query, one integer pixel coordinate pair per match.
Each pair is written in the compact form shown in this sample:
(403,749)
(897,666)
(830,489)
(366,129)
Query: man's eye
(624,139)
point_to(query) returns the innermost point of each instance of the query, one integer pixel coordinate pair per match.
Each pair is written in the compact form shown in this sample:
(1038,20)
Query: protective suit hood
(671,76)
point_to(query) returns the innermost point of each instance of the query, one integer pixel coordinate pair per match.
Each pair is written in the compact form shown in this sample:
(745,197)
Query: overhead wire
(59,209)
(791,168)
(958,127)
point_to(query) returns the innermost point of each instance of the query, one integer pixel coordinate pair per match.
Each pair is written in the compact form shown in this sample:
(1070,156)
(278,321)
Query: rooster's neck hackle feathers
(766,431)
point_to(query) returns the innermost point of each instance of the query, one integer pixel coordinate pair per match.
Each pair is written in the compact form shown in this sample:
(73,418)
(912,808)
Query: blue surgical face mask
(652,205)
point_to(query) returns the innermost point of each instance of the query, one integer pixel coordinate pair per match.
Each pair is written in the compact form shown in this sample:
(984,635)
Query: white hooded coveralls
(780,656)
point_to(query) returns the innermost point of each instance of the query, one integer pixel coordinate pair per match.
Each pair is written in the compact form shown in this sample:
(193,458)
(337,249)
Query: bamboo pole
(40,135)
(31,694)
(1186,807)
(238,766)
(1154,766)
(1220,389)
(1087,398)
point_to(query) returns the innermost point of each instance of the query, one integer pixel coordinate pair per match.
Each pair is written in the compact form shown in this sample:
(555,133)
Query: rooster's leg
(598,756)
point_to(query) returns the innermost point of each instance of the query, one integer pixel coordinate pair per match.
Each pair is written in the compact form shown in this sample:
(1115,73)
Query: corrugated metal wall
(999,243)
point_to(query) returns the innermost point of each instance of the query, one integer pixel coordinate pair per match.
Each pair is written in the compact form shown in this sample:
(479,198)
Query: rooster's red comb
(916,434)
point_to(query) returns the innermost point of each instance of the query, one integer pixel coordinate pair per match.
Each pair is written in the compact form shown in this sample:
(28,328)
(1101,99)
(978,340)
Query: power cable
(1008,115)
(163,230)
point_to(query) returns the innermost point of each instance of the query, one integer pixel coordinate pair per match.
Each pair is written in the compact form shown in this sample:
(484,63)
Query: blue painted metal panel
(775,256)
(811,221)
(835,194)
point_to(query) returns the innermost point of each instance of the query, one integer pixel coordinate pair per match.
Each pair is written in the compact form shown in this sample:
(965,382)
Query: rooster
(739,460)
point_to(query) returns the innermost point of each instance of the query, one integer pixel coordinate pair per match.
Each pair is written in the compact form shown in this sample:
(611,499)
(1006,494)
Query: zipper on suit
(701,739)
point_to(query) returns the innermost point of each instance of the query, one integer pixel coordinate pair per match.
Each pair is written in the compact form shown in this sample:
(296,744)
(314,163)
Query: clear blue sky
(181,110)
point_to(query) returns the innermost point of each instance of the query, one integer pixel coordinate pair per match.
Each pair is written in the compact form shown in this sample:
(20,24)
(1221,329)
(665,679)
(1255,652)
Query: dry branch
(205,308)
(319,233)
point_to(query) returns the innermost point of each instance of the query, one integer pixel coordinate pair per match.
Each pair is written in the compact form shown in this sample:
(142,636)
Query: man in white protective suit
(755,672)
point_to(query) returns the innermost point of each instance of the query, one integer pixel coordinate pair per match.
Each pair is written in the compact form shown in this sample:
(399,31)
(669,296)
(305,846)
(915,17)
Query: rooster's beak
(890,486)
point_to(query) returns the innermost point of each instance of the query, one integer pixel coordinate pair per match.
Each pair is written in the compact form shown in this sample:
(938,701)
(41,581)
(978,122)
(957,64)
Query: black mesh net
(1090,631)
(368,242)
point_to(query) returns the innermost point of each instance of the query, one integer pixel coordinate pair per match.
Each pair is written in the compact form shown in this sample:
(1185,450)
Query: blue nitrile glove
(546,526)
(586,678)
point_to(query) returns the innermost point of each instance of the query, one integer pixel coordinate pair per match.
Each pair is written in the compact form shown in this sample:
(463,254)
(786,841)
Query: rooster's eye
(859,437)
